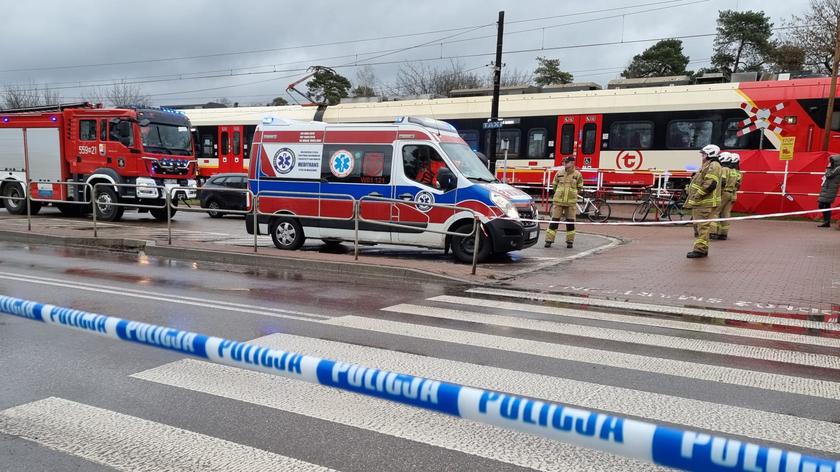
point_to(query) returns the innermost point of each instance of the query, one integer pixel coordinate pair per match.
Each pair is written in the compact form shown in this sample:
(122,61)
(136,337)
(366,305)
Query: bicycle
(670,209)
(597,210)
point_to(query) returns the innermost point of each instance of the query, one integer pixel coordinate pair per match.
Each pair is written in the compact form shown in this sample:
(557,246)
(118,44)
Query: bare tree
(366,83)
(814,32)
(420,79)
(513,77)
(120,95)
(28,95)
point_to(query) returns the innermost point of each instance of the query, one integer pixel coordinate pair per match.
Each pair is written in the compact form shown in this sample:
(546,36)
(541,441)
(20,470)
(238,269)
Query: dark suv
(216,199)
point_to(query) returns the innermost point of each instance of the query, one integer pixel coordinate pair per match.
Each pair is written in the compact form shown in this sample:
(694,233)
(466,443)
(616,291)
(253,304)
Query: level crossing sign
(786,149)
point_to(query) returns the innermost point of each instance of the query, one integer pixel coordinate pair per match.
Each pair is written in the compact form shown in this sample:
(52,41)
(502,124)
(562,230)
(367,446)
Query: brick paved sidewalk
(766,266)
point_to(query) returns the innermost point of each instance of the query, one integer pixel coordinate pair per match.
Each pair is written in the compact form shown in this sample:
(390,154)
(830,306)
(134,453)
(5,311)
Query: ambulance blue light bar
(426,123)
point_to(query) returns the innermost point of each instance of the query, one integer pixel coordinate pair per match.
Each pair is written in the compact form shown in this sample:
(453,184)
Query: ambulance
(406,178)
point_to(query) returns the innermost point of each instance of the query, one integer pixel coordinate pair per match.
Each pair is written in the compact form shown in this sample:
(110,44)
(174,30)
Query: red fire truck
(124,155)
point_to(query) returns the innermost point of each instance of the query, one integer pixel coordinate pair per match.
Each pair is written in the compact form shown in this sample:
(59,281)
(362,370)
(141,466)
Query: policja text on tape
(661,445)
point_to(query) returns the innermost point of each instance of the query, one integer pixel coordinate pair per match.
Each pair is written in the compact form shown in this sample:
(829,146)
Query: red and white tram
(630,137)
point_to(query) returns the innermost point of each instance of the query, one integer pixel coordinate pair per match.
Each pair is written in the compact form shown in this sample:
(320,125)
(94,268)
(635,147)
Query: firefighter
(723,160)
(568,183)
(703,197)
(729,193)
(828,192)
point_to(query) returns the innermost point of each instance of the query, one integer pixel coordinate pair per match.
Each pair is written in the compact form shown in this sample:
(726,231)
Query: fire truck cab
(308,177)
(139,148)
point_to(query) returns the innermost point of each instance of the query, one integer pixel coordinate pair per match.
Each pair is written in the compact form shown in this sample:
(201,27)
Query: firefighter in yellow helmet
(568,184)
(703,197)
(731,183)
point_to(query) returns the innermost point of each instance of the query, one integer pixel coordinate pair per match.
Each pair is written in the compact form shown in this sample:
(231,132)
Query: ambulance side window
(421,163)
(357,164)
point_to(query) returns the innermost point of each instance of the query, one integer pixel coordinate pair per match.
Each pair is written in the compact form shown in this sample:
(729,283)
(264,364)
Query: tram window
(631,135)
(237,142)
(536,143)
(513,136)
(225,143)
(87,130)
(470,136)
(567,138)
(589,137)
(207,146)
(689,134)
(731,140)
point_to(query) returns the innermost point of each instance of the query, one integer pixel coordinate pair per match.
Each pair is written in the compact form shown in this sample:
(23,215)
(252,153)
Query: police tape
(663,445)
(672,222)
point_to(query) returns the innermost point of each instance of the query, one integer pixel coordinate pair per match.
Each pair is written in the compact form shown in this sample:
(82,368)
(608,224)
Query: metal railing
(476,217)
(169,204)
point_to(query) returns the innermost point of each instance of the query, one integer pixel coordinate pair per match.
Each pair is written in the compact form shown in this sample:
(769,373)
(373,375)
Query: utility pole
(833,89)
(497,82)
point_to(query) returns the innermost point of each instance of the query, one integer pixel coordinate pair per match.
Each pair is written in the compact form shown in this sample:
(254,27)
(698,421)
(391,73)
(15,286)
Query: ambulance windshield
(467,162)
(166,138)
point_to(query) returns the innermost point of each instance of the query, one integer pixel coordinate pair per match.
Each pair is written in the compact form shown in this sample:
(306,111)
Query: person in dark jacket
(828,193)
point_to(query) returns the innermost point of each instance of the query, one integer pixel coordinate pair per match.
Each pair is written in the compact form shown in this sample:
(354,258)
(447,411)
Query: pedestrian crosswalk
(691,368)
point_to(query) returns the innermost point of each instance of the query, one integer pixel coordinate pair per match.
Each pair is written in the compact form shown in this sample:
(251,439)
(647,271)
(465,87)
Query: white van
(311,176)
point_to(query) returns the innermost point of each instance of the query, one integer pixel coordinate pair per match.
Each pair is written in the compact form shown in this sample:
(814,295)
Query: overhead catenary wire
(315,45)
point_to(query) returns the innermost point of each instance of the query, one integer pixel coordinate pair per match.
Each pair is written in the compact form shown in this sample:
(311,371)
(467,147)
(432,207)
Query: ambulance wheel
(105,208)
(286,233)
(463,246)
(15,202)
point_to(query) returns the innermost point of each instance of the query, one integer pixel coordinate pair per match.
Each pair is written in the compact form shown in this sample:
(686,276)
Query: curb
(119,244)
(279,262)
(236,258)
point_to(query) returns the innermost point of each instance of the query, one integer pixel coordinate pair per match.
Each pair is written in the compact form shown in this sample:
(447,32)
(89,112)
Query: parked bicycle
(596,209)
(666,205)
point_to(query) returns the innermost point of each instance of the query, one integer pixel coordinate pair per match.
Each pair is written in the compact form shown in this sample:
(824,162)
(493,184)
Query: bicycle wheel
(641,212)
(678,213)
(598,210)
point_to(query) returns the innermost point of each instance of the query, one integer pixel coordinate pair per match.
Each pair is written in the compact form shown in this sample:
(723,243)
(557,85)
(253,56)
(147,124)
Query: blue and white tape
(663,445)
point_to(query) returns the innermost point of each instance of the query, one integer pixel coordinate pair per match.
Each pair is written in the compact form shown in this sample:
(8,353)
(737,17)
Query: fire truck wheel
(105,210)
(463,246)
(14,202)
(160,213)
(286,233)
(69,209)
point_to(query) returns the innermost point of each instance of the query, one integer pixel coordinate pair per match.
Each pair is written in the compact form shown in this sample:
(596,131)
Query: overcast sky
(68,43)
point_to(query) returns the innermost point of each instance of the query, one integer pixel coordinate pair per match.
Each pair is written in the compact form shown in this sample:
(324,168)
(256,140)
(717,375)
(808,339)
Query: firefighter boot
(696,254)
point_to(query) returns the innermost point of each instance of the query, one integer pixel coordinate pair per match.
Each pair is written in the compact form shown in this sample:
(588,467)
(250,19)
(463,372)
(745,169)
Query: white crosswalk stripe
(597,332)
(93,433)
(129,443)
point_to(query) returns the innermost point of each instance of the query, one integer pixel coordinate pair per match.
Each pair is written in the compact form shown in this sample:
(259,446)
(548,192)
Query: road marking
(129,443)
(742,377)
(668,310)
(694,414)
(165,297)
(647,339)
(745,332)
(383,417)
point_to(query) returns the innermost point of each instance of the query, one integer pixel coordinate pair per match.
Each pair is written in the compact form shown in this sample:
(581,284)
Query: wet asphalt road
(783,391)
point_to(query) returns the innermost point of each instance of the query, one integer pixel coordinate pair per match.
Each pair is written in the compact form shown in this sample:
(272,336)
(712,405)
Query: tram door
(230,149)
(579,136)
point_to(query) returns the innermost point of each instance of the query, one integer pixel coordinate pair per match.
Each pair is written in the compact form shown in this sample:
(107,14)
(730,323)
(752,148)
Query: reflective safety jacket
(566,188)
(731,180)
(705,187)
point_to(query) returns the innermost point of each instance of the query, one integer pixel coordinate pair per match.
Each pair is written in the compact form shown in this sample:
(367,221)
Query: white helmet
(711,150)
(734,157)
(725,157)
